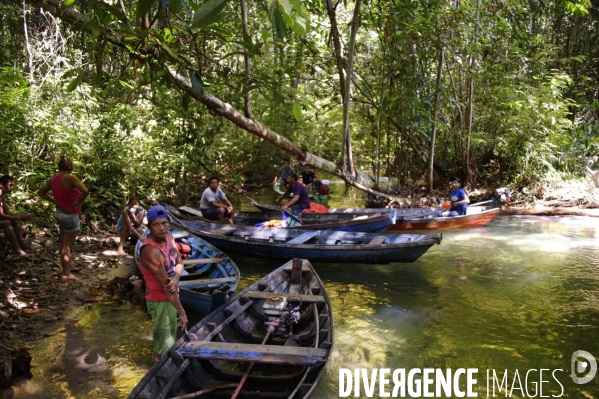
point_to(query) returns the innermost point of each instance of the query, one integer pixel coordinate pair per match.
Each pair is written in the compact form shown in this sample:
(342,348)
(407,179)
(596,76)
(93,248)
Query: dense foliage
(515,98)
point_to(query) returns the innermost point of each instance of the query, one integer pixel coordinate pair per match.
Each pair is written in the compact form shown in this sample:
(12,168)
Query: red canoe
(476,216)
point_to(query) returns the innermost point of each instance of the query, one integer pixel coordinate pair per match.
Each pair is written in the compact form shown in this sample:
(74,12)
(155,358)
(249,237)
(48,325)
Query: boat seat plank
(185,284)
(265,295)
(302,238)
(187,209)
(237,352)
(191,262)
(223,231)
(378,240)
(180,234)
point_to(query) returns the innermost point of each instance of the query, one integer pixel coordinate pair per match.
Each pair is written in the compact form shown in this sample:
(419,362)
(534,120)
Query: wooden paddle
(482,203)
(247,372)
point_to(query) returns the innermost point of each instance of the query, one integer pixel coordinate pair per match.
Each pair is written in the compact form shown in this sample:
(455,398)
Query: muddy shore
(35,301)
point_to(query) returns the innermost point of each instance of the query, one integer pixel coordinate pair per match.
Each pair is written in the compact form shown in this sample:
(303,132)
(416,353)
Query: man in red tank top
(161,267)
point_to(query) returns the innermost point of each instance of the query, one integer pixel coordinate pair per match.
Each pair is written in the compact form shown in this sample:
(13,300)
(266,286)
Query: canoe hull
(236,327)
(319,245)
(322,253)
(467,221)
(312,221)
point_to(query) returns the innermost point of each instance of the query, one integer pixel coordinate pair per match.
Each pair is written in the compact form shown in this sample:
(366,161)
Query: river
(520,294)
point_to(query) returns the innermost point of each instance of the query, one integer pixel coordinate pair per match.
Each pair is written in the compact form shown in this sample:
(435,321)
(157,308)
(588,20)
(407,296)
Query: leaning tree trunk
(218,107)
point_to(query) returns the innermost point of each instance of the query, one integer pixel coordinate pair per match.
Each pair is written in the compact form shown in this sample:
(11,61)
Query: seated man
(282,174)
(300,200)
(213,202)
(308,177)
(129,223)
(9,220)
(459,199)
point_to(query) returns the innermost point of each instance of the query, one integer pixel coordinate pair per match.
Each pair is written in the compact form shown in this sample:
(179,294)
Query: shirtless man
(9,220)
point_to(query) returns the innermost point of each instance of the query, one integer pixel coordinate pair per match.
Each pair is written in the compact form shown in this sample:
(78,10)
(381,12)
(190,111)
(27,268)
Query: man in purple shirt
(300,200)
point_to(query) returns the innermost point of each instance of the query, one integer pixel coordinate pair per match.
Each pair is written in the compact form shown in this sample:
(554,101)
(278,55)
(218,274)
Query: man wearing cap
(161,267)
(459,199)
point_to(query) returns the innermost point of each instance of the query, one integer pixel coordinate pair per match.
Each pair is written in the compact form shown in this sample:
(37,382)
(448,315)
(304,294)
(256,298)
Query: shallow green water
(519,294)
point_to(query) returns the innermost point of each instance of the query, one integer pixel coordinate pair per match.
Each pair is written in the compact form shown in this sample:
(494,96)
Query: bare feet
(69,277)
(120,252)
(22,254)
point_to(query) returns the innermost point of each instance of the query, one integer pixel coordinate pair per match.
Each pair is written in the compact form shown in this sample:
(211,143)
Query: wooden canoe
(217,352)
(210,277)
(316,245)
(373,223)
(476,216)
(406,219)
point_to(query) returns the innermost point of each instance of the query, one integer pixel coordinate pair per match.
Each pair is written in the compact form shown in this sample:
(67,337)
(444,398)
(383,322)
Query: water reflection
(519,294)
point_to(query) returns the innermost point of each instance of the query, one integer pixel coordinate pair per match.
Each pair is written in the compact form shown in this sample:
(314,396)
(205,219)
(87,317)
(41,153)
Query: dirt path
(35,301)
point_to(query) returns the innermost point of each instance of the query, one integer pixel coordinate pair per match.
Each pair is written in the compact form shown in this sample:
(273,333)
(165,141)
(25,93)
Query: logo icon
(578,367)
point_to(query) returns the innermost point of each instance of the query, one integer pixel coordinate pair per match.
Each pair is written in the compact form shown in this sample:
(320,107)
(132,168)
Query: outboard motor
(286,314)
(503,196)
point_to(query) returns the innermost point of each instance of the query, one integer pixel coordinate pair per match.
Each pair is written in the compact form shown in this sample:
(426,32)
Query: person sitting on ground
(68,193)
(459,199)
(129,223)
(214,203)
(300,200)
(9,220)
(282,174)
(162,267)
(308,177)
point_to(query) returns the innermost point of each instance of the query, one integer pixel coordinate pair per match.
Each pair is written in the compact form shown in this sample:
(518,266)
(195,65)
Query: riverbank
(36,302)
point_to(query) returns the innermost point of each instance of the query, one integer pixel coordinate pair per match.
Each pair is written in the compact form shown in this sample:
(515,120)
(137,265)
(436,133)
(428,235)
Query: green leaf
(67,4)
(277,21)
(297,110)
(118,14)
(143,7)
(93,26)
(75,82)
(185,101)
(170,52)
(196,82)
(207,13)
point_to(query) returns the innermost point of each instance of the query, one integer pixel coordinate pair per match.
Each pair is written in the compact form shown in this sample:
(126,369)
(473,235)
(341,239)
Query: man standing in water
(9,221)
(161,267)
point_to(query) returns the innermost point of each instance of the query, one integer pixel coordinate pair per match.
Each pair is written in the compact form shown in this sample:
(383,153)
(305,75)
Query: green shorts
(164,320)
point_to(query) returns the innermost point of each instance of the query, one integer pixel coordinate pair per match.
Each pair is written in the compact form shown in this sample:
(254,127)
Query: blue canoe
(367,223)
(210,277)
(316,245)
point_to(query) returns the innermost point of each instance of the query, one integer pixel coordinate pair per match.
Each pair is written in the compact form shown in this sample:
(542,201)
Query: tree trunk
(435,109)
(346,145)
(29,61)
(247,108)
(336,44)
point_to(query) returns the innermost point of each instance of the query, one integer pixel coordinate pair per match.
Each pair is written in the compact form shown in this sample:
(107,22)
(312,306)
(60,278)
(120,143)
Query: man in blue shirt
(282,174)
(459,199)
(300,200)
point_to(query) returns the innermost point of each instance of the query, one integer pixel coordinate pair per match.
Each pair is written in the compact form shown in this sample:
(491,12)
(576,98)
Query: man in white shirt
(213,202)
